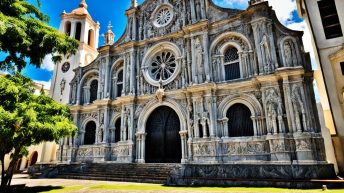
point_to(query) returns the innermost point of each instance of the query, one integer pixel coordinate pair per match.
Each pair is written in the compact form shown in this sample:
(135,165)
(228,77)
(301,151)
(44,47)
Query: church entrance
(163,144)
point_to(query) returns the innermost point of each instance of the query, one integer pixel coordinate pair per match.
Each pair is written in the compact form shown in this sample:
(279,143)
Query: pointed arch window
(93,90)
(232,64)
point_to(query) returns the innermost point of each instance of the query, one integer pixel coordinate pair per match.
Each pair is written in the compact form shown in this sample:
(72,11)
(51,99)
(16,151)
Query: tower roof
(82,9)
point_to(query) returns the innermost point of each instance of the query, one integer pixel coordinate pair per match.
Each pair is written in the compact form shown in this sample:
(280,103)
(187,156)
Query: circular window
(65,67)
(163,66)
(163,16)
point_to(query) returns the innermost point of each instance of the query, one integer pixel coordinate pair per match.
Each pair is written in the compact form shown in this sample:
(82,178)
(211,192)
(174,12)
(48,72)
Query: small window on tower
(330,19)
(342,67)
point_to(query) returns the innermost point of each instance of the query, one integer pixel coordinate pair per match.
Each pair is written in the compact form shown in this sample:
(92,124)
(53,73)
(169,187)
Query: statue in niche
(205,124)
(100,135)
(126,125)
(150,32)
(198,10)
(266,53)
(280,115)
(290,53)
(272,121)
(275,113)
(299,110)
(199,60)
(62,85)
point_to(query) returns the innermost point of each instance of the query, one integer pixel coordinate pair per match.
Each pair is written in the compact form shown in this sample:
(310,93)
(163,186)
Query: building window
(330,19)
(91,38)
(93,90)
(78,31)
(240,123)
(119,83)
(342,67)
(232,64)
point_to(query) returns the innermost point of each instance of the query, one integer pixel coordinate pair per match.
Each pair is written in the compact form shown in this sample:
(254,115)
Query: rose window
(163,17)
(163,66)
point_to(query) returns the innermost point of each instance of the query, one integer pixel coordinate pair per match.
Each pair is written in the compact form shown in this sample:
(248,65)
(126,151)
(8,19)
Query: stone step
(115,175)
(119,179)
(147,173)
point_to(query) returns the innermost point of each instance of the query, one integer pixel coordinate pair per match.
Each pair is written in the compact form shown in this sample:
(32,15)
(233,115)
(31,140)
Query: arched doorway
(34,157)
(240,123)
(90,133)
(163,143)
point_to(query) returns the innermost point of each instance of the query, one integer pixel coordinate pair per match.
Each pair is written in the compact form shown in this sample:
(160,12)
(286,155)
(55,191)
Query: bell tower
(79,25)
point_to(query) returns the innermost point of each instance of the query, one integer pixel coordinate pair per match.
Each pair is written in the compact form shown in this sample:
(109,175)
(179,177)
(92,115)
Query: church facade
(193,83)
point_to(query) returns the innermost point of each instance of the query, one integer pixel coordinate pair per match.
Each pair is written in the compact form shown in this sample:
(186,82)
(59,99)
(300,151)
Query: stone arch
(250,102)
(245,51)
(116,67)
(168,46)
(83,131)
(115,131)
(234,37)
(85,82)
(295,52)
(152,105)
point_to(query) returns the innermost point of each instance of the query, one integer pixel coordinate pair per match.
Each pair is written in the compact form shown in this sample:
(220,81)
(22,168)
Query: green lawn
(152,187)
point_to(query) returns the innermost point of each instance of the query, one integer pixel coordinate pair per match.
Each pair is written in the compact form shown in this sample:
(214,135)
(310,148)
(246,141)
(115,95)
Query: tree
(27,119)
(25,34)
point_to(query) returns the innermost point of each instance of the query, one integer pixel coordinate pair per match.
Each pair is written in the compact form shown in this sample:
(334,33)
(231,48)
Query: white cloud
(46,84)
(231,2)
(48,64)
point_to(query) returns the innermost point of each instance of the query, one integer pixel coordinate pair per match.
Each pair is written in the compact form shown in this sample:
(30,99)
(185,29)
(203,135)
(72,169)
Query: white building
(325,18)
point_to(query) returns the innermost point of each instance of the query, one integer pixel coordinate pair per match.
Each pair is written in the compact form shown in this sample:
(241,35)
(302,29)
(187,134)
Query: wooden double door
(163,144)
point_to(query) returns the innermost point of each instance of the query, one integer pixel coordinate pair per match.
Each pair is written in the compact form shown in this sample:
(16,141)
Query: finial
(133,3)
(83,4)
(109,36)
(109,26)
(64,12)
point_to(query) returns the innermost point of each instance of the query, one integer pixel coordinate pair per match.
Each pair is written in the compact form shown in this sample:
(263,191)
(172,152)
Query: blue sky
(114,11)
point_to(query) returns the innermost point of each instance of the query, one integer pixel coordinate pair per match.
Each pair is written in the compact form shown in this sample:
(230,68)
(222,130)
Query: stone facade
(206,63)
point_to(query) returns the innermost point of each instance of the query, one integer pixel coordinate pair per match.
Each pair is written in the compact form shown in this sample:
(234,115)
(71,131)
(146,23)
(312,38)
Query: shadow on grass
(36,189)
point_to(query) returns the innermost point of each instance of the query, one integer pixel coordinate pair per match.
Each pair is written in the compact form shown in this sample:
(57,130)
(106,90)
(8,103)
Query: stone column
(257,37)
(254,120)
(125,75)
(138,147)
(106,125)
(114,87)
(143,147)
(86,95)
(222,71)
(183,137)
(107,80)
(193,12)
(132,73)
(206,55)
(289,106)
(225,127)
(73,29)
(193,65)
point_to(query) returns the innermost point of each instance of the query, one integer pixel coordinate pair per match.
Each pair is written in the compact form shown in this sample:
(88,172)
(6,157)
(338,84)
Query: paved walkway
(88,186)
